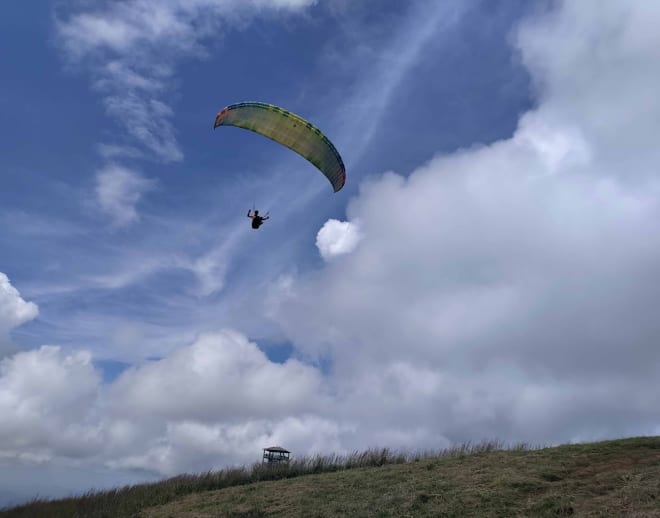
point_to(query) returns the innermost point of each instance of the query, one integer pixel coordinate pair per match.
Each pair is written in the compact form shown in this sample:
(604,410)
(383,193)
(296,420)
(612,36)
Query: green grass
(612,478)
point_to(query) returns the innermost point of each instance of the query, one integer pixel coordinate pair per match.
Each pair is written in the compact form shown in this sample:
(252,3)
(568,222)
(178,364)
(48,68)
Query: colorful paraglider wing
(291,131)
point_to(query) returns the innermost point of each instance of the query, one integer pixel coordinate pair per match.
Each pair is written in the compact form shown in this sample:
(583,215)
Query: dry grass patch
(613,478)
(585,480)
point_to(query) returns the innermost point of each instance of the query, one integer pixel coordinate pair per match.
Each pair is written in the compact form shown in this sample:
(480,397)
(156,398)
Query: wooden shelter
(275,454)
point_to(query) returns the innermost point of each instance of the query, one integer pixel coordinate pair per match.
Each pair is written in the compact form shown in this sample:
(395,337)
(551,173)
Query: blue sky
(496,233)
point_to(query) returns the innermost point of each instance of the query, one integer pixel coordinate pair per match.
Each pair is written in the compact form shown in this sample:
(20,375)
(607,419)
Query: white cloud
(113,151)
(46,396)
(14,311)
(337,238)
(118,190)
(592,70)
(219,377)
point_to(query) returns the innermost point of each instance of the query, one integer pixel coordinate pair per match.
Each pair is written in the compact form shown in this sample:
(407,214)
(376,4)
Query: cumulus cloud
(46,396)
(118,190)
(131,49)
(14,311)
(214,402)
(337,238)
(591,69)
(514,282)
(220,376)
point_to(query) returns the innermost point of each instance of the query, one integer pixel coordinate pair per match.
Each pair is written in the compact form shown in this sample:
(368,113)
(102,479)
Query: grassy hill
(612,478)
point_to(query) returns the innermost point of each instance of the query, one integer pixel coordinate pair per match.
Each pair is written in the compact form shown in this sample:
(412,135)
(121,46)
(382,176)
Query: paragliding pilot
(257,220)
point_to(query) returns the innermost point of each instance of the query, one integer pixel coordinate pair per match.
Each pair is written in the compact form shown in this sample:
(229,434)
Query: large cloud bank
(511,290)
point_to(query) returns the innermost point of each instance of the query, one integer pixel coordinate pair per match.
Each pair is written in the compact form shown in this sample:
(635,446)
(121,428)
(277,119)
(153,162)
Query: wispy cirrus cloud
(131,49)
(389,66)
(118,190)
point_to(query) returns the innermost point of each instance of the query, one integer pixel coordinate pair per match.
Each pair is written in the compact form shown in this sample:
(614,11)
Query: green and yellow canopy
(291,131)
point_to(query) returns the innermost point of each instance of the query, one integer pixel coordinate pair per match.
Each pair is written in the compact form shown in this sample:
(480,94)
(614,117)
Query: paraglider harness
(257,220)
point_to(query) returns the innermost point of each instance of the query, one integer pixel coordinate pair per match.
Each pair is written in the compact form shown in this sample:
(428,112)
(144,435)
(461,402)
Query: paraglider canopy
(291,131)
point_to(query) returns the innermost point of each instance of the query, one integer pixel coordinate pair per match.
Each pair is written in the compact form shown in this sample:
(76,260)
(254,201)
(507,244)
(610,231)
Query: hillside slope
(612,478)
